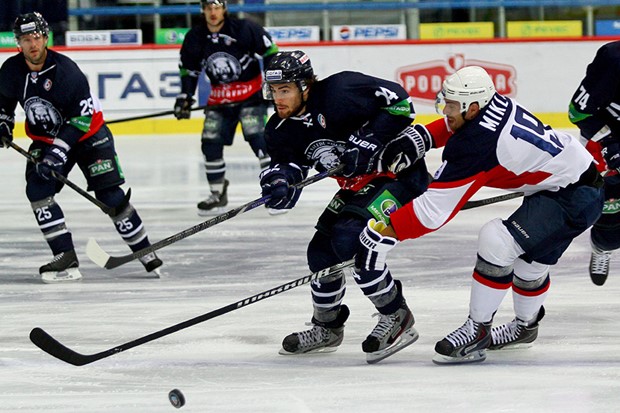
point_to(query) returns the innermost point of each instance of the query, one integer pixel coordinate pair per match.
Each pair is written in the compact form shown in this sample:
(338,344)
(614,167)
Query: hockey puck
(176,398)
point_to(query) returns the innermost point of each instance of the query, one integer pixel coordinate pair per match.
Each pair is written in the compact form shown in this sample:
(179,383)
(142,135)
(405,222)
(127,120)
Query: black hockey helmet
(288,67)
(30,23)
(205,3)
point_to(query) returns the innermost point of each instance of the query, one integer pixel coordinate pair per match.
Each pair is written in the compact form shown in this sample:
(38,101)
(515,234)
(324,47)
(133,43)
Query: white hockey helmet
(468,85)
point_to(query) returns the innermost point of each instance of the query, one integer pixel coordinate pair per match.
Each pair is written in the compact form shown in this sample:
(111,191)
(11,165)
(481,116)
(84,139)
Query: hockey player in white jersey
(498,143)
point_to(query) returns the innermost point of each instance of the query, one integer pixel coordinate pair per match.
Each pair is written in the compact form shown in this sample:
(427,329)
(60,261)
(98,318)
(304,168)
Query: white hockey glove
(403,151)
(374,247)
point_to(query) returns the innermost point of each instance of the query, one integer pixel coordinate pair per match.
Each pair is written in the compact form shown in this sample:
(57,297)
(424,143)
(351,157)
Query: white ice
(231,363)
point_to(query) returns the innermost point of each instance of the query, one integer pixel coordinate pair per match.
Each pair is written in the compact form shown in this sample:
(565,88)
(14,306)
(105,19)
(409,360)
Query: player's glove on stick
(361,154)
(403,151)
(277,182)
(183,106)
(374,247)
(7,122)
(54,160)
(611,152)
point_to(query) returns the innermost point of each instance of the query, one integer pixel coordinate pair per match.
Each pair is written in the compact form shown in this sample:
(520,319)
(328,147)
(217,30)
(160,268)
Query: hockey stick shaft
(106,209)
(492,200)
(103,259)
(53,347)
(152,115)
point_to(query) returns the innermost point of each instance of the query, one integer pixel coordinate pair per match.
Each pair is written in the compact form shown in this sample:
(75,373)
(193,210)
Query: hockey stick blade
(100,257)
(492,200)
(55,348)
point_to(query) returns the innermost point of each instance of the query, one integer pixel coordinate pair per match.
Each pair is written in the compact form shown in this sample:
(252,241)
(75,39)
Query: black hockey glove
(54,160)
(361,154)
(611,152)
(374,247)
(7,123)
(183,106)
(403,151)
(277,182)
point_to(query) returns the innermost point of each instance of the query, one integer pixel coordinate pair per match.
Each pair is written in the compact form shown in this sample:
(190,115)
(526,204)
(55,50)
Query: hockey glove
(183,105)
(361,154)
(277,183)
(7,122)
(611,152)
(406,149)
(374,247)
(54,160)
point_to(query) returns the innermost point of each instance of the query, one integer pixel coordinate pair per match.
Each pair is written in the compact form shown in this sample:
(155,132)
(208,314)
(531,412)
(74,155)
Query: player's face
(214,14)
(287,99)
(452,111)
(33,48)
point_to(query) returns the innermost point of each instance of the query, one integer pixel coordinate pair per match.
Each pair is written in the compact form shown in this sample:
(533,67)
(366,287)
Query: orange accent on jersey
(358,182)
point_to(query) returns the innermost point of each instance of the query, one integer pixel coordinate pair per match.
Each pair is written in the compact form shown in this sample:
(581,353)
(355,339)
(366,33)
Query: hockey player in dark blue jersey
(595,109)
(66,125)
(363,122)
(228,50)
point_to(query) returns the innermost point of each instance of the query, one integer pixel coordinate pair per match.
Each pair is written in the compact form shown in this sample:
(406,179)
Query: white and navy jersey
(505,147)
(229,59)
(336,107)
(57,100)
(596,102)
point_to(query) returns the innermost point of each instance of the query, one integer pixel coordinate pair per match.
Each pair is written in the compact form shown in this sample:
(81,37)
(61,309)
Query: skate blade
(70,274)
(156,273)
(407,338)
(475,357)
(518,346)
(315,351)
(211,212)
(274,212)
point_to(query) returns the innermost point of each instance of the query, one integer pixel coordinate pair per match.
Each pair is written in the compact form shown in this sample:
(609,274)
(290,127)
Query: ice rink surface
(231,363)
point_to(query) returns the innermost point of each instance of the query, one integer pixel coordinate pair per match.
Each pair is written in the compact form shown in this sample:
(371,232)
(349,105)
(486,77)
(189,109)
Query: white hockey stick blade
(96,253)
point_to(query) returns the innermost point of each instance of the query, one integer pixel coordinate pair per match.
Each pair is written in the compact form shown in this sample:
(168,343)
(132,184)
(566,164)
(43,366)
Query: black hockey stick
(492,200)
(152,115)
(100,257)
(55,348)
(106,209)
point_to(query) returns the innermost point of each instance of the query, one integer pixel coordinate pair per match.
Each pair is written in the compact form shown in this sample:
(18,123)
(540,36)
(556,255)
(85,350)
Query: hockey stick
(53,347)
(492,200)
(152,115)
(100,257)
(106,209)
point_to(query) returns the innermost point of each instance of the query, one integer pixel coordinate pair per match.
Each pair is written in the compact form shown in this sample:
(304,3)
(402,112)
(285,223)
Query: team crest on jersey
(325,152)
(321,120)
(47,85)
(224,67)
(43,117)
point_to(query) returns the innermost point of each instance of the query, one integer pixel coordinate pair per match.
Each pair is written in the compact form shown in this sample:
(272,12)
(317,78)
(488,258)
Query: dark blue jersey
(596,102)
(336,107)
(229,59)
(57,99)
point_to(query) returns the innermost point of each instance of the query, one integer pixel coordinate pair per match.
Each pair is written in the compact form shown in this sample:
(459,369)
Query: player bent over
(66,125)
(363,122)
(498,143)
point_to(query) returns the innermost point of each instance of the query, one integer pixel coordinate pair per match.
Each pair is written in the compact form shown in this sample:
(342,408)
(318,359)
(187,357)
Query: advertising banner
(439,31)
(370,32)
(544,29)
(283,34)
(104,38)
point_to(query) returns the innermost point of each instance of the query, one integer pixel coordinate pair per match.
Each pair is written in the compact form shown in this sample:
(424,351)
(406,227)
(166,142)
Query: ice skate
(214,204)
(62,268)
(515,334)
(599,265)
(152,264)
(321,338)
(466,344)
(393,333)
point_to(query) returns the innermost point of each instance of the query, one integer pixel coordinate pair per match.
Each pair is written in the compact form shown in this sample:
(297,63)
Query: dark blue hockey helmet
(205,3)
(288,67)
(30,23)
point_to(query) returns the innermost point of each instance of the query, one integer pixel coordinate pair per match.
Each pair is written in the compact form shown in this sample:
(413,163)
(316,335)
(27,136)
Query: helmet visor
(440,102)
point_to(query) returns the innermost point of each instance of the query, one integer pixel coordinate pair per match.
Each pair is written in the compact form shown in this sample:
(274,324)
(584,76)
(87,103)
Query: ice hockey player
(595,109)
(498,143)
(228,50)
(66,125)
(364,123)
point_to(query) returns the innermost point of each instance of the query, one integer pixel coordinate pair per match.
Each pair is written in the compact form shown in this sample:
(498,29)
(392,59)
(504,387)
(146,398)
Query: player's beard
(35,56)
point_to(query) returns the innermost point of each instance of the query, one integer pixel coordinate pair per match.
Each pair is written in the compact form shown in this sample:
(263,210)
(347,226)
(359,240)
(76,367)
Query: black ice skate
(466,344)
(393,333)
(599,265)
(321,338)
(214,203)
(151,264)
(516,334)
(62,268)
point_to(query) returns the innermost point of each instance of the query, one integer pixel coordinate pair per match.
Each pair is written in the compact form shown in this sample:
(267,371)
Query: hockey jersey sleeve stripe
(440,132)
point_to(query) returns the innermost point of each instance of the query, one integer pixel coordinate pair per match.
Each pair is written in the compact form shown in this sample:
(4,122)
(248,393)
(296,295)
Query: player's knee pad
(319,253)
(345,237)
(211,129)
(112,197)
(253,120)
(496,245)
(529,273)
